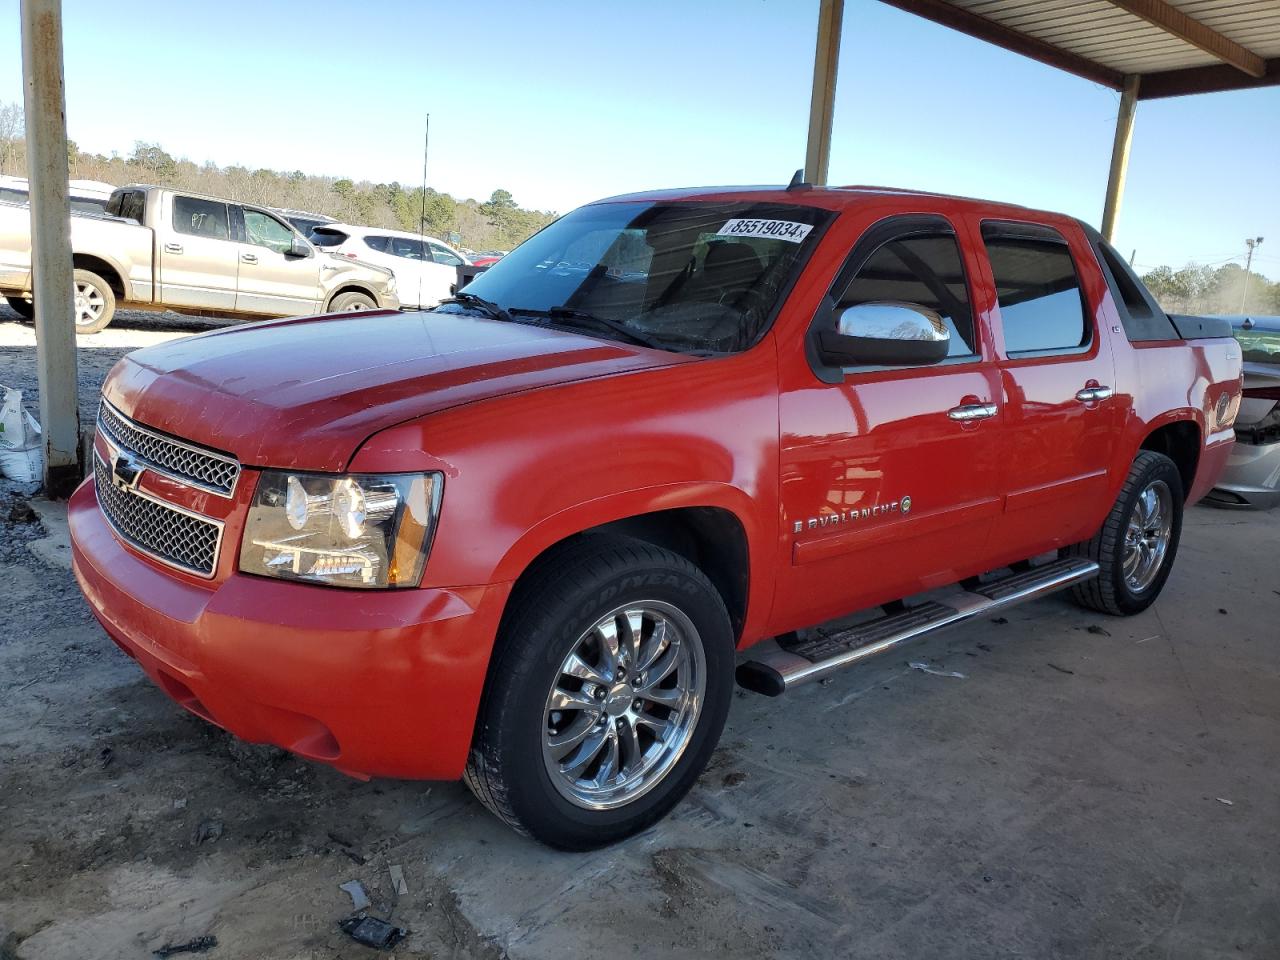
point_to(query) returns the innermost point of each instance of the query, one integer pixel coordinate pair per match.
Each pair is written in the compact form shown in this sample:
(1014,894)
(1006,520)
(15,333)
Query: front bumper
(376,684)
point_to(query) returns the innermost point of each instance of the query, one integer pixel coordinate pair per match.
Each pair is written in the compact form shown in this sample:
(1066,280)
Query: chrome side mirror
(888,333)
(300,248)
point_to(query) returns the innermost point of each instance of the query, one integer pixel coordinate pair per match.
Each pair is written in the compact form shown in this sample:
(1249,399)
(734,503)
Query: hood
(305,393)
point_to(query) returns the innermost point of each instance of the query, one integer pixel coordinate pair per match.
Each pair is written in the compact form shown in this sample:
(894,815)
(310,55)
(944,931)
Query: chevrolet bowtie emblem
(125,472)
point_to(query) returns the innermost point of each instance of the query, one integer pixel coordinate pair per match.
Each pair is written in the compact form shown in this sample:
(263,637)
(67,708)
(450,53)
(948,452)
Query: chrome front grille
(180,461)
(170,534)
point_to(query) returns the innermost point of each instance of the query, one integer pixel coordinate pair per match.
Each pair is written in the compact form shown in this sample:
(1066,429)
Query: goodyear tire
(1136,546)
(607,693)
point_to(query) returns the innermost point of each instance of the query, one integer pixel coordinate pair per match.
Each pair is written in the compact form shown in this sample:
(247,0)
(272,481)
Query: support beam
(822,104)
(1189,80)
(46,134)
(958,18)
(1172,20)
(1120,156)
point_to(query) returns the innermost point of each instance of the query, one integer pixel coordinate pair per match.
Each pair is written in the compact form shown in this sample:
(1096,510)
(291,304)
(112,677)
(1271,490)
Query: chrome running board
(776,671)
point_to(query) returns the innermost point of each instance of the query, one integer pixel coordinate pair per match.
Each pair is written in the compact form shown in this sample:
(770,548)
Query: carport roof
(1176,47)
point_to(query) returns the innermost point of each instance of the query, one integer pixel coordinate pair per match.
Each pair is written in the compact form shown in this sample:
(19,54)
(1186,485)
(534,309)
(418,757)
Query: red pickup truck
(530,537)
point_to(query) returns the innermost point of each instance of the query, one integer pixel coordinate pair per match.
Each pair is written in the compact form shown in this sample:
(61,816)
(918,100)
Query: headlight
(358,530)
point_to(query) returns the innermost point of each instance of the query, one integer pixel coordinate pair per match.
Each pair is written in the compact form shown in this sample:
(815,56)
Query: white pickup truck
(162,249)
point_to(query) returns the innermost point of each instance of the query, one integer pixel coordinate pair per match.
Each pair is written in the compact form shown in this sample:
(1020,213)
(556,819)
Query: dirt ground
(1088,787)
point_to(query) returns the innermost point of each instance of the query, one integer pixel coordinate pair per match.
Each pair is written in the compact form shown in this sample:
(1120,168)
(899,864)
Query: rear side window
(924,269)
(381,244)
(200,218)
(1139,313)
(327,237)
(1041,306)
(133,204)
(409,249)
(442,254)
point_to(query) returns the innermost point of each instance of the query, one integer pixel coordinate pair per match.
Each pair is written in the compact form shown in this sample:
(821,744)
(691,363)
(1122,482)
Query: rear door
(890,474)
(1057,377)
(199,257)
(273,281)
(409,260)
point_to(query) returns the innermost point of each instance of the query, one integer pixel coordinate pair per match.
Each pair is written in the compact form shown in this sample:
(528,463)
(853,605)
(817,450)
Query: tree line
(1200,289)
(496,223)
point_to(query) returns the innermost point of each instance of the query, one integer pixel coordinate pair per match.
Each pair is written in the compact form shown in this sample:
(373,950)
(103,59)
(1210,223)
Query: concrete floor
(1091,787)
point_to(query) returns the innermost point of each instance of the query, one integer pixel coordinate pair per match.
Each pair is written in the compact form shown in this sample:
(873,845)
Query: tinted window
(1041,307)
(266,231)
(327,237)
(201,218)
(442,254)
(381,244)
(925,269)
(407,248)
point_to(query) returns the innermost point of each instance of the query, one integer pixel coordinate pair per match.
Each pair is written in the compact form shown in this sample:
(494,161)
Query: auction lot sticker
(766,229)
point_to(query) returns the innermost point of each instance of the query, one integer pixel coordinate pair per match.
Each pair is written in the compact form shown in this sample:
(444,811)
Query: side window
(265,230)
(442,254)
(405,247)
(1041,305)
(132,205)
(200,218)
(925,269)
(381,244)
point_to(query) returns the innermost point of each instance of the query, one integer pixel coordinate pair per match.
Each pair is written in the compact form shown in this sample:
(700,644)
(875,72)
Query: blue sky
(565,102)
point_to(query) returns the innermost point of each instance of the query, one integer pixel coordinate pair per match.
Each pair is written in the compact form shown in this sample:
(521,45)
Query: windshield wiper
(487,307)
(581,317)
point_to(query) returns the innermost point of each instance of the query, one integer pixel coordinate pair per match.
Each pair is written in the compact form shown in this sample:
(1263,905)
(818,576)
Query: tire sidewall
(534,799)
(108,302)
(1129,601)
(343,302)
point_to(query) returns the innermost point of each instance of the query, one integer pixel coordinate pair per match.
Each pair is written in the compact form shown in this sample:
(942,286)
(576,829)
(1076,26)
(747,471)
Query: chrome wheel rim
(1146,538)
(623,705)
(89,304)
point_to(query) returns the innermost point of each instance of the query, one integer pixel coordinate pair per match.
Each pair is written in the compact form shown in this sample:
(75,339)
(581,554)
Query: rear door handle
(1091,394)
(249,257)
(173,248)
(972,411)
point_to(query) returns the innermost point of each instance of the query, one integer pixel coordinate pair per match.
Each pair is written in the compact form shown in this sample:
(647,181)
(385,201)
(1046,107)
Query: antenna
(798,181)
(422,220)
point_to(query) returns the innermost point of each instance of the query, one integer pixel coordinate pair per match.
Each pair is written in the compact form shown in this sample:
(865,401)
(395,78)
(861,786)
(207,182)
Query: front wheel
(1138,541)
(607,693)
(351,302)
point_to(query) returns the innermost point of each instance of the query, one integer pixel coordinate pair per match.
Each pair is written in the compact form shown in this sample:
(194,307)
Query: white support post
(1120,156)
(826,60)
(52,284)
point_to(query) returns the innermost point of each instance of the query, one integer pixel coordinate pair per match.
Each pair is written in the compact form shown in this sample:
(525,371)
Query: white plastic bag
(21,452)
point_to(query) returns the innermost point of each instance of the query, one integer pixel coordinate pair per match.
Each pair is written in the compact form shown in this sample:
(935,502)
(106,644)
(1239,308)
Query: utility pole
(52,282)
(426,143)
(1248,265)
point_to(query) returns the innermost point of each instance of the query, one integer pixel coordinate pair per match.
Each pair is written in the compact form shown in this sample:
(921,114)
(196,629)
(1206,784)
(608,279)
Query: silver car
(1252,476)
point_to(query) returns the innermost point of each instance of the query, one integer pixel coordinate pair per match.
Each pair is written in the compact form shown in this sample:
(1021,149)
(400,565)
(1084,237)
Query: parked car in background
(301,220)
(87,196)
(169,249)
(1252,475)
(486,258)
(426,269)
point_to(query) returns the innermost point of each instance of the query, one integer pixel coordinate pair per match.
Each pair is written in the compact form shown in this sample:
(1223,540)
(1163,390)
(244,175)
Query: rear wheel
(95,303)
(1138,541)
(351,302)
(607,693)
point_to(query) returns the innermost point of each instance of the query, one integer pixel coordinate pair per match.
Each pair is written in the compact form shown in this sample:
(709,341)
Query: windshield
(691,277)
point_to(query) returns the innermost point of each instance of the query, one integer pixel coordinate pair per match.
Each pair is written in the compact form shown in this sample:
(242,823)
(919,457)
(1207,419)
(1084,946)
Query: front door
(411,259)
(440,278)
(199,259)
(889,474)
(273,281)
(1057,377)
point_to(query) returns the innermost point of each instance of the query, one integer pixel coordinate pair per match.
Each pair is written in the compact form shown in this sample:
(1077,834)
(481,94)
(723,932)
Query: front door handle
(972,411)
(249,257)
(173,248)
(1093,393)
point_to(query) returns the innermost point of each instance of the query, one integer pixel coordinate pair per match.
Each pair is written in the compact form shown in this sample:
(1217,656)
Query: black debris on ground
(1100,631)
(1061,669)
(198,945)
